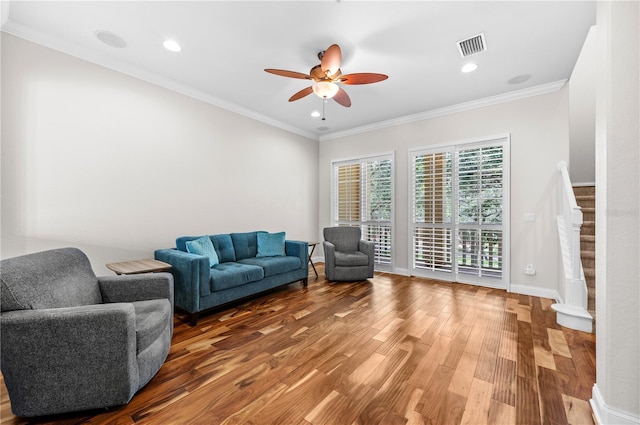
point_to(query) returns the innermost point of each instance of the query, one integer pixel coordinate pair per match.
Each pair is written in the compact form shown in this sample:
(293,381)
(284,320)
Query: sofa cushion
(350,259)
(181,242)
(245,244)
(203,246)
(224,245)
(270,244)
(152,318)
(274,265)
(231,274)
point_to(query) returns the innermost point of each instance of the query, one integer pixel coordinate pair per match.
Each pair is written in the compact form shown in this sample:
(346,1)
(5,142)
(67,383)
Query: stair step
(589,214)
(589,273)
(584,191)
(586,199)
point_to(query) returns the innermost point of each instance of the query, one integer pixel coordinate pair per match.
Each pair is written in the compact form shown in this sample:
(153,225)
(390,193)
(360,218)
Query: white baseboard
(607,415)
(536,292)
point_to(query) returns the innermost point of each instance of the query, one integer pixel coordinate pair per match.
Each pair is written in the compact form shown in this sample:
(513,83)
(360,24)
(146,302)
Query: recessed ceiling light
(469,67)
(172,45)
(110,39)
(315,114)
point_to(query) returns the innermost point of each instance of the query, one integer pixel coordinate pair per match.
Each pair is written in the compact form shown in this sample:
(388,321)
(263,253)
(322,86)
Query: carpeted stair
(586,199)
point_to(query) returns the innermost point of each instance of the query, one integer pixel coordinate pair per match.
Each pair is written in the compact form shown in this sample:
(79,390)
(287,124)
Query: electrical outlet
(529,217)
(529,270)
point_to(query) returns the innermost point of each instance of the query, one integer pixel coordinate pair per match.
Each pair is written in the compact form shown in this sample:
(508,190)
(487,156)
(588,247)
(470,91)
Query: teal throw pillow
(270,244)
(203,246)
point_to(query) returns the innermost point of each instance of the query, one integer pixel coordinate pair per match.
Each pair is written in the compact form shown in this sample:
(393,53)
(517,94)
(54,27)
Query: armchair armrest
(78,345)
(189,272)
(139,287)
(329,254)
(367,247)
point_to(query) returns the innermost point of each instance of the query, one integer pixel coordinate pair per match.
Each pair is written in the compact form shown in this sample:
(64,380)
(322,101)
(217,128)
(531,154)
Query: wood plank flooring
(391,350)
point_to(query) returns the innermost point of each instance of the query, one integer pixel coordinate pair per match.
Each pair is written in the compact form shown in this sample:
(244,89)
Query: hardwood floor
(391,350)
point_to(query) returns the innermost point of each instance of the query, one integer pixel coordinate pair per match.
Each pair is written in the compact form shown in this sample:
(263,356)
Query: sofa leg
(193,318)
(305,281)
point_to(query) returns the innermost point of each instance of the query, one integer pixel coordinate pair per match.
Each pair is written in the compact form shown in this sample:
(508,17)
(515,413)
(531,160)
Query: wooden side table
(139,266)
(313,247)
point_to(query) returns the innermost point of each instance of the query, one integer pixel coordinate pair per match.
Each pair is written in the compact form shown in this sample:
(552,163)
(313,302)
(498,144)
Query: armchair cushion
(349,259)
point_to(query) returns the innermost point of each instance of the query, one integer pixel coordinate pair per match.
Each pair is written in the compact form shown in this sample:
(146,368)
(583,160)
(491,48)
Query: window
(459,212)
(363,196)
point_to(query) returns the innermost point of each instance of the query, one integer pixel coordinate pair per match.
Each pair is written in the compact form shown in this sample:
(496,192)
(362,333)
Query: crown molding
(89,55)
(461,107)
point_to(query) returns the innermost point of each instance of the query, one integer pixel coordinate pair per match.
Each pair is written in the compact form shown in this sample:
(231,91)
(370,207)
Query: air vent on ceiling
(471,46)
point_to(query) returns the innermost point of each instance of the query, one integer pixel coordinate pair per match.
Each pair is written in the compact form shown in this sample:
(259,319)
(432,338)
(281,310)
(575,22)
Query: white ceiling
(227,44)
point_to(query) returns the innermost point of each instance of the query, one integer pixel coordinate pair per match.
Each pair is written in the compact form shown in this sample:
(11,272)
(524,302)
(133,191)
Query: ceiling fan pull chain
(324,100)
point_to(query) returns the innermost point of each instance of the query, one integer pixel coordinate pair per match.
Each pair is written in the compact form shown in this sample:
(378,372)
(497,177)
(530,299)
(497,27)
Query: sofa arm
(89,348)
(189,272)
(298,249)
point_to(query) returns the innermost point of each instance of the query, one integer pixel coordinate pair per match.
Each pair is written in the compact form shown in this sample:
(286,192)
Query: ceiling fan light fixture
(325,89)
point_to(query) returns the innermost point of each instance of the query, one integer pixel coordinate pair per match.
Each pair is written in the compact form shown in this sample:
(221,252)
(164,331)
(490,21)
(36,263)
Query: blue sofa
(241,270)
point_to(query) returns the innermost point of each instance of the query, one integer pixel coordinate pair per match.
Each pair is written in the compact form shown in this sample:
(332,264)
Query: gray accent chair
(72,341)
(346,256)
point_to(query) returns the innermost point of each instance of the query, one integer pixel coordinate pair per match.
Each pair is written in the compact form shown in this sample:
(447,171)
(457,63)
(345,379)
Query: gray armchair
(72,341)
(346,256)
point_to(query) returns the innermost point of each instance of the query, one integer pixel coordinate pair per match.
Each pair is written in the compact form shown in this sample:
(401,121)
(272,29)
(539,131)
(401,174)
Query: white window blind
(363,196)
(431,206)
(458,212)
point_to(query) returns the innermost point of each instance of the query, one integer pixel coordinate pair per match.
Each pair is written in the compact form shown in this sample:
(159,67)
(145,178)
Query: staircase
(586,199)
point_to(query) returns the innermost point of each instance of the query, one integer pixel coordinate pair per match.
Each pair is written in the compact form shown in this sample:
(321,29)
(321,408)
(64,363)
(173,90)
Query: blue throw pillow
(270,244)
(203,246)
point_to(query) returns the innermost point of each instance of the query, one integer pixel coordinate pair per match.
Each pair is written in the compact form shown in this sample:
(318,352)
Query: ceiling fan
(326,75)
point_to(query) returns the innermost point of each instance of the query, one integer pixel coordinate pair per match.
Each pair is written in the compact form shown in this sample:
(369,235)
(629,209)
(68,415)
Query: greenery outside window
(363,196)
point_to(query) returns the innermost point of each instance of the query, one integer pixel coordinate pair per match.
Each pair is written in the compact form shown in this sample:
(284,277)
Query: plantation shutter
(363,197)
(458,203)
(431,210)
(480,211)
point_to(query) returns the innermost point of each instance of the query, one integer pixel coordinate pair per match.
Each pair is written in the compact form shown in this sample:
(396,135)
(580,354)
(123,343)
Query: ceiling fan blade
(362,78)
(302,93)
(291,74)
(342,98)
(331,60)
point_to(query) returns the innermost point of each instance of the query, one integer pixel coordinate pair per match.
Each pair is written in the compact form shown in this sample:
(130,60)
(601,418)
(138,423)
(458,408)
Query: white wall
(539,132)
(616,395)
(582,112)
(119,167)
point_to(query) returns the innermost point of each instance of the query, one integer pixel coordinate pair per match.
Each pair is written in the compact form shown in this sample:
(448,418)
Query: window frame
(504,282)
(361,222)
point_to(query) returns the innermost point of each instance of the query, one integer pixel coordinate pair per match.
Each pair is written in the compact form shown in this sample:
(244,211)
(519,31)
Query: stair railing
(572,214)
(572,305)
